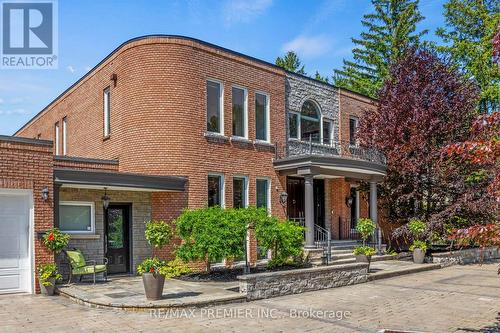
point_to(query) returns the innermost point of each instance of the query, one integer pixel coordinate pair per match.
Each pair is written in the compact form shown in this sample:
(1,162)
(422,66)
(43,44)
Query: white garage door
(15,258)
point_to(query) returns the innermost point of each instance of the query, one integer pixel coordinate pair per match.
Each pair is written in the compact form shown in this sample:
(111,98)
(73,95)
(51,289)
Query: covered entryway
(16,207)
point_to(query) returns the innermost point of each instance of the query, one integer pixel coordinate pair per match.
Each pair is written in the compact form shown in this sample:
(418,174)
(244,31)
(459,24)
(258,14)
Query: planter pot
(153,285)
(363,258)
(48,290)
(418,256)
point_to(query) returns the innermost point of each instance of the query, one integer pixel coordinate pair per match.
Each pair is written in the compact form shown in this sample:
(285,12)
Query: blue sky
(319,31)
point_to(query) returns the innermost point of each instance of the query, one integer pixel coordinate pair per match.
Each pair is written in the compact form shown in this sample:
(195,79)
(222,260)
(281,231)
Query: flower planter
(418,256)
(153,285)
(363,258)
(48,290)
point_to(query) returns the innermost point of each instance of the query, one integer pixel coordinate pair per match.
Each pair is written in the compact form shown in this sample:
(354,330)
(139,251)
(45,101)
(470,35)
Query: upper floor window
(262,117)
(293,125)
(310,128)
(239,101)
(353,129)
(215,190)
(65,136)
(214,107)
(327,132)
(107,112)
(56,137)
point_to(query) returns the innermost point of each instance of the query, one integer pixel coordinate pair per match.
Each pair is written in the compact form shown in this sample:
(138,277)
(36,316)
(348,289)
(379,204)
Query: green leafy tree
(391,30)
(318,77)
(158,233)
(468,36)
(291,62)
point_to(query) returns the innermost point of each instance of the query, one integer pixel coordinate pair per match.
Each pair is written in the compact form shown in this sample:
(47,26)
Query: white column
(309,210)
(373,214)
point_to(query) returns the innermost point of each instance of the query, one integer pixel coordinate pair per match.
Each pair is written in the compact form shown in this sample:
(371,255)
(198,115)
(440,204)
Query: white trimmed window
(262,131)
(263,193)
(240,192)
(353,129)
(215,114)
(240,112)
(327,132)
(215,190)
(107,111)
(65,136)
(77,217)
(56,137)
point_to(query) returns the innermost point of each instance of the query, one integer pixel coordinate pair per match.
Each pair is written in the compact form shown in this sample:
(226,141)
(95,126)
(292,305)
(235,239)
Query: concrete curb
(386,275)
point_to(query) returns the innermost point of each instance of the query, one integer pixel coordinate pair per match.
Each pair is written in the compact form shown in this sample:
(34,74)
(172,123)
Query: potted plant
(158,234)
(55,240)
(366,227)
(419,247)
(47,276)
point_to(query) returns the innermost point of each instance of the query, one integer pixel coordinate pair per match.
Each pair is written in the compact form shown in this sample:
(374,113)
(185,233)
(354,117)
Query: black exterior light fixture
(105,199)
(45,193)
(348,201)
(283,198)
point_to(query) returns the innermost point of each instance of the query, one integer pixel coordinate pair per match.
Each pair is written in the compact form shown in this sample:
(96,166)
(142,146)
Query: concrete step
(338,256)
(343,261)
(410,270)
(337,252)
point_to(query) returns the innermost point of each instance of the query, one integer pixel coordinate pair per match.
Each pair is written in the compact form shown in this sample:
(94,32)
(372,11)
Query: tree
(391,31)
(291,62)
(317,76)
(424,106)
(469,32)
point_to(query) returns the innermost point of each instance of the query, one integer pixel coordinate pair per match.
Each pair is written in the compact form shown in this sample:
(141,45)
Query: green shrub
(417,228)
(55,240)
(158,233)
(417,244)
(175,268)
(366,250)
(366,227)
(47,271)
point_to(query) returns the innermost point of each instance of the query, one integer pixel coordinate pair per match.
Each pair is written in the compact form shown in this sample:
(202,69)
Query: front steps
(342,252)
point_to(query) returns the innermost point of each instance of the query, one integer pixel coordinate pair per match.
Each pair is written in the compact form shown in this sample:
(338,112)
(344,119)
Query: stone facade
(466,256)
(92,246)
(273,284)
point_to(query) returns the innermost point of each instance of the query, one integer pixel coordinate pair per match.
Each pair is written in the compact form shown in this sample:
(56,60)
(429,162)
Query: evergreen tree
(469,32)
(291,62)
(391,31)
(319,77)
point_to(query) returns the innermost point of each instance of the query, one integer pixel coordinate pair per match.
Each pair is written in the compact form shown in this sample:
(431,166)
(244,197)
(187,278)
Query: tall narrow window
(214,107)
(239,97)
(65,136)
(327,132)
(262,186)
(353,128)
(215,190)
(261,117)
(107,112)
(293,129)
(56,137)
(239,192)
(310,122)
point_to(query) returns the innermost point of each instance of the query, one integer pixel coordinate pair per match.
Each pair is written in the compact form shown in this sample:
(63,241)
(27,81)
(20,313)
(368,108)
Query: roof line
(179,37)
(26,140)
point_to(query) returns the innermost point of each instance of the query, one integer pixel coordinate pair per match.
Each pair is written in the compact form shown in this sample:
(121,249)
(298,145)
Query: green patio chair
(80,267)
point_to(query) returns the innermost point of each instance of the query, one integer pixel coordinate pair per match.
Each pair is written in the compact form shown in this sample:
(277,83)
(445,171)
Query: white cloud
(13,112)
(308,46)
(71,69)
(244,10)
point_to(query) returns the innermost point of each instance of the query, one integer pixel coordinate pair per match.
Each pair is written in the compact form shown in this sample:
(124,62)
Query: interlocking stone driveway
(454,299)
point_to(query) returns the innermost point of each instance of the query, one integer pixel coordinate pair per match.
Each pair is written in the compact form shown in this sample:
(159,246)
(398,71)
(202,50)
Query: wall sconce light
(348,201)
(45,193)
(105,200)
(283,198)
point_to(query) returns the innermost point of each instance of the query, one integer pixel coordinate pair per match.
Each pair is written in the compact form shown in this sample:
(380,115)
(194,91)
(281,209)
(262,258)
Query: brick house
(168,122)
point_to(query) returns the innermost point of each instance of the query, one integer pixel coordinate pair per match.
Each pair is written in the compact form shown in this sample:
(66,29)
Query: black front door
(295,204)
(319,202)
(116,238)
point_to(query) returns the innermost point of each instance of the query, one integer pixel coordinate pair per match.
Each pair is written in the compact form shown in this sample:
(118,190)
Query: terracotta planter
(153,285)
(48,290)
(418,256)
(363,258)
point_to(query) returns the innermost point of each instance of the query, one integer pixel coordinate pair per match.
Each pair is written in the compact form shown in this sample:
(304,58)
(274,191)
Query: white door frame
(31,224)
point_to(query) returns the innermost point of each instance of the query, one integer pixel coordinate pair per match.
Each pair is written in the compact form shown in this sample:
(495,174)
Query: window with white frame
(262,117)
(327,132)
(107,111)
(215,190)
(240,192)
(310,122)
(56,137)
(76,217)
(65,136)
(353,129)
(214,107)
(239,101)
(263,198)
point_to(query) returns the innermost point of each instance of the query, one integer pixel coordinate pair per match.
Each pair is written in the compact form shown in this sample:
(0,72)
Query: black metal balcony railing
(314,146)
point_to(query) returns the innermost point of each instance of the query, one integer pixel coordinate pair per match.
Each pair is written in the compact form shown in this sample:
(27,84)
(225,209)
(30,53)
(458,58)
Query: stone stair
(342,252)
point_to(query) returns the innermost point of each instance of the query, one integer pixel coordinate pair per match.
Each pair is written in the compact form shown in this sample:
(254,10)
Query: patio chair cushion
(89,270)
(76,259)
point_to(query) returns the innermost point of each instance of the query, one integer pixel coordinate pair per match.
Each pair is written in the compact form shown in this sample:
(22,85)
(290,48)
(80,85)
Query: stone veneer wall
(92,246)
(467,256)
(273,284)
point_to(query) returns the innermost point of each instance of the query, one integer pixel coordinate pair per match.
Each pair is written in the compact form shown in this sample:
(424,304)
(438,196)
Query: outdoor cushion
(76,258)
(89,270)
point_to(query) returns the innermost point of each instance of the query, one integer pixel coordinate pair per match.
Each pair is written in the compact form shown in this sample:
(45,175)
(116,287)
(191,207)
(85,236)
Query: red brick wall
(84,165)
(29,165)
(352,104)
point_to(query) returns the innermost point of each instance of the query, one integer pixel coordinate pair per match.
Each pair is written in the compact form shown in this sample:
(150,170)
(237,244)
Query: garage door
(15,261)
